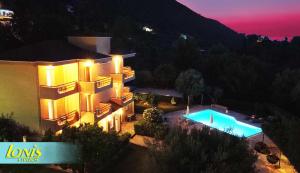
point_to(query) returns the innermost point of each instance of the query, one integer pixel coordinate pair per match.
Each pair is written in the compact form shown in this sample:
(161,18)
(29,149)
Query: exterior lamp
(88,63)
(117,61)
(49,74)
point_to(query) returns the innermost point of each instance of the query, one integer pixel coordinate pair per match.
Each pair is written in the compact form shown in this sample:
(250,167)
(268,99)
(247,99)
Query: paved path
(142,141)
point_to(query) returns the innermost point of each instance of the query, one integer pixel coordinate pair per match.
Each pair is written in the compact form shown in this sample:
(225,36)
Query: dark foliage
(284,130)
(203,151)
(99,149)
(152,124)
(262,148)
(12,131)
(272,159)
(145,128)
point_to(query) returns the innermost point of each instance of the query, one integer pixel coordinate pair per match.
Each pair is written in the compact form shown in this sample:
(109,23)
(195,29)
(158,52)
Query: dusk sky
(274,18)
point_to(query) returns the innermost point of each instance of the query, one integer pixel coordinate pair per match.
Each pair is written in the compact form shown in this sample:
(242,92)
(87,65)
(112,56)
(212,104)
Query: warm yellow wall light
(118,88)
(49,74)
(88,63)
(51,109)
(120,111)
(117,60)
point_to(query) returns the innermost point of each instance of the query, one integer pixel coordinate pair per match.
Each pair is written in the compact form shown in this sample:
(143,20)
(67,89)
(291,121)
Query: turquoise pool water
(224,123)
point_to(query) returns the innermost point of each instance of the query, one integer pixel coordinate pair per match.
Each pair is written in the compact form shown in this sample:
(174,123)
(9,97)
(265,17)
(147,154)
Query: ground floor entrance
(113,121)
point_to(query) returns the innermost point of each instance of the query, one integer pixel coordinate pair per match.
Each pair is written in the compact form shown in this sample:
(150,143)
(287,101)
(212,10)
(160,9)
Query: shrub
(183,151)
(106,146)
(12,131)
(272,158)
(124,138)
(139,128)
(144,128)
(153,115)
(160,131)
(262,148)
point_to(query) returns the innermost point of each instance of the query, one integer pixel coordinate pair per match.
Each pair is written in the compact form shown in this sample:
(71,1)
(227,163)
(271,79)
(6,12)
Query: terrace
(6,14)
(58,123)
(59,91)
(102,83)
(125,99)
(102,110)
(129,74)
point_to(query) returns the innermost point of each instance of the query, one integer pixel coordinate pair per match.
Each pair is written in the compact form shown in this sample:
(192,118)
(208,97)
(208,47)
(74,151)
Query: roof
(121,52)
(50,50)
(124,53)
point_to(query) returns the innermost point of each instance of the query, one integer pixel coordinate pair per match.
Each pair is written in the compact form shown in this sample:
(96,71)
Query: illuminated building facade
(5,15)
(66,82)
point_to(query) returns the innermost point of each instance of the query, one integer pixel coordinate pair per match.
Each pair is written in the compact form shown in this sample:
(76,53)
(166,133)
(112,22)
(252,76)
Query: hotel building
(5,16)
(56,83)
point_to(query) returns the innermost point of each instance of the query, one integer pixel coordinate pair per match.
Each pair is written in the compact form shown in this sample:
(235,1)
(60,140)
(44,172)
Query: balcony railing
(6,14)
(99,85)
(59,91)
(129,74)
(127,97)
(103,82)
(124,99)
(58,123)
(103,109)
(69,118)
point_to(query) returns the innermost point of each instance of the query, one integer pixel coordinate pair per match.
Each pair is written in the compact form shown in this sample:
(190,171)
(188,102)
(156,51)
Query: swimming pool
(224,123)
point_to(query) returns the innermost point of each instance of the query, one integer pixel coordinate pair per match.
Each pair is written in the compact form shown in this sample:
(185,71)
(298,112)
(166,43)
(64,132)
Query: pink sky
(274,18)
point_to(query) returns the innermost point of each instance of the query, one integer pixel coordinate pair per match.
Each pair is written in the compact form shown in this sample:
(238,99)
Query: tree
(144,78)
(215,94)
(46,19)
(218,49)
(284,130)
(286,89)
(152,124)
(153,115)
(165,75)
(296,40)
(190,83)
(98,148)
(49,136)
(203,151)
(186,52)
(12,131)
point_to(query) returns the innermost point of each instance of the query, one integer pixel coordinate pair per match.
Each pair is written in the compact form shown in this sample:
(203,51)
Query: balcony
(60,122)
(6,15)
(102,83)
(127,97)
(102,110)
(57,92)
(129,74)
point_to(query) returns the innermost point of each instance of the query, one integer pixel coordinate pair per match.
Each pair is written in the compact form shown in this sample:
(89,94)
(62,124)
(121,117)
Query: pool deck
(176,119)
(238,116)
